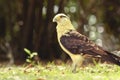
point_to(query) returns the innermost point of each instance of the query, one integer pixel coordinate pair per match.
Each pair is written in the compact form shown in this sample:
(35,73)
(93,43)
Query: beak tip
(53,20)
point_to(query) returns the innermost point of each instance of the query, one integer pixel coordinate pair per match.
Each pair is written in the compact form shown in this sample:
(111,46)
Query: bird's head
(61,18)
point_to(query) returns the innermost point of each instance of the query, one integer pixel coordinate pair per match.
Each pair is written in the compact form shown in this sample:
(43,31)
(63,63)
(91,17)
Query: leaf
(27,51)
(33,54)
(28,60)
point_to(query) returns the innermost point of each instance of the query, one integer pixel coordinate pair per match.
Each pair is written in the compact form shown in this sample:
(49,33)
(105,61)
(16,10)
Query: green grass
(60,72)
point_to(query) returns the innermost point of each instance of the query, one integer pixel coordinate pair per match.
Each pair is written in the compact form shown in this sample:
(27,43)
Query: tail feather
(113,58)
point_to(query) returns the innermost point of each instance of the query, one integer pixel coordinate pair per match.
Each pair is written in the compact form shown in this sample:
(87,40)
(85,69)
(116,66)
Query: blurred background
(28,24)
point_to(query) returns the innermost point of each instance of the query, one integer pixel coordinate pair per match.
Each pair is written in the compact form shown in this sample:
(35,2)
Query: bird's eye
(62,16)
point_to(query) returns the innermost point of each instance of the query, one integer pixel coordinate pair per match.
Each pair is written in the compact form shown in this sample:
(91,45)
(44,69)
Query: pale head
(61,18)
(63,24)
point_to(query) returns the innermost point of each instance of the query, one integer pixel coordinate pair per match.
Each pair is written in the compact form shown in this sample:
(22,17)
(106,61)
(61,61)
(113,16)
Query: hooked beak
(54,19)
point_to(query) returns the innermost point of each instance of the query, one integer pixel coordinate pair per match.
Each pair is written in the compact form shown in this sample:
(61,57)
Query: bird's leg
(74,66)
(77,60)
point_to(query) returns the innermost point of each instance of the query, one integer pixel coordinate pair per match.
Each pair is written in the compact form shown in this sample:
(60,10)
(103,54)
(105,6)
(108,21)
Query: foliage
(30,55)
(60,72)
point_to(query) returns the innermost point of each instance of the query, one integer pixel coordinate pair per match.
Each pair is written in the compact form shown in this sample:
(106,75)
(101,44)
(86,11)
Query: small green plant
(31,55)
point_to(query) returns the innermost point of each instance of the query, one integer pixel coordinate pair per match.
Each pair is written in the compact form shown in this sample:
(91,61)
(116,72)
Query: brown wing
(77,44)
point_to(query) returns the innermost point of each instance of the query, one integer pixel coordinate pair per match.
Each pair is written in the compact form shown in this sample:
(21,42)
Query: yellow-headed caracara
(77,45)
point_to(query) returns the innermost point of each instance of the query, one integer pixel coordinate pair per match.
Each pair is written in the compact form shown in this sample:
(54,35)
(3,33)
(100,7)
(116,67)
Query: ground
(60,72)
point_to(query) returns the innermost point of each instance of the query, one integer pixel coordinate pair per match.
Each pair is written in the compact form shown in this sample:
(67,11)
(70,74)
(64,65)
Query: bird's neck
(64,28)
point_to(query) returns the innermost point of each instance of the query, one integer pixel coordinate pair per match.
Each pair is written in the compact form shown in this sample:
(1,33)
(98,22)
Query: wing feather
(77,43)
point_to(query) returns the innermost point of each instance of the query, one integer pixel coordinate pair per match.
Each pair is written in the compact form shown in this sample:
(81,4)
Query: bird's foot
(74,71)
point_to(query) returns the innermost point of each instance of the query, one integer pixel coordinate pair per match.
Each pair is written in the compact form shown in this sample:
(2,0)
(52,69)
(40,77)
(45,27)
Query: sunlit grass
(60,72)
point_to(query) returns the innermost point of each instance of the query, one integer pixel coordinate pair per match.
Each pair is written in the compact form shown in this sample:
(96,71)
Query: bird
(77,45)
